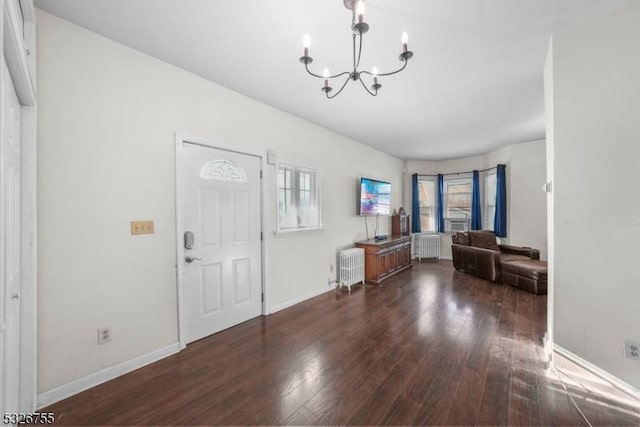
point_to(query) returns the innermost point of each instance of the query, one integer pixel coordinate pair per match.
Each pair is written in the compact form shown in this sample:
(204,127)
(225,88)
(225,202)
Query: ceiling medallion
(359,28)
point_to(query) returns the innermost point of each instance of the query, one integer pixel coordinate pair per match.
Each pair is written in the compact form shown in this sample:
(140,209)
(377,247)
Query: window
(298,198)
(426,197)
(457,204)
(224,170)
(489,200)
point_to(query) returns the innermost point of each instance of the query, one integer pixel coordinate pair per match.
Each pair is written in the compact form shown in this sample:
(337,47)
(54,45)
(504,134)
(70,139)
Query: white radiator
(426,246)
(351,267)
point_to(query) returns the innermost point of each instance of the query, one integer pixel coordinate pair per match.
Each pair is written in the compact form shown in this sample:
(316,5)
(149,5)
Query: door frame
(182,138)
(15,41)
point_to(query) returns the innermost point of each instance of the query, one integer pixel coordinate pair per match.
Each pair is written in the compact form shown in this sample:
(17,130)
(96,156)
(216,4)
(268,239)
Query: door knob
(189,259)
(16,295)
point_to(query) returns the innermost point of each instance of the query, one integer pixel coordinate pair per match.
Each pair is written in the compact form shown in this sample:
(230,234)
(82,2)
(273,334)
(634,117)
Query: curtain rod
(461,173)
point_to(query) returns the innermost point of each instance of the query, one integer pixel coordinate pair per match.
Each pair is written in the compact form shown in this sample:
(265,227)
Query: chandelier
(359,28)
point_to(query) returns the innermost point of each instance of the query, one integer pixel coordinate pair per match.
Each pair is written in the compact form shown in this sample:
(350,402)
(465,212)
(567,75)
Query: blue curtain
(440,217)
(476,210)
(415,205)
(500,221)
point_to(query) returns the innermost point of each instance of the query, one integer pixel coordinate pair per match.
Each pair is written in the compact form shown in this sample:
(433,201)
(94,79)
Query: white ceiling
(474,84)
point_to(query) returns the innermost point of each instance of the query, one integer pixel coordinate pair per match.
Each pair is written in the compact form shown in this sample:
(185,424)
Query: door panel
(242,280)
(211,286)
(241,212)
(221,205)
(210,202)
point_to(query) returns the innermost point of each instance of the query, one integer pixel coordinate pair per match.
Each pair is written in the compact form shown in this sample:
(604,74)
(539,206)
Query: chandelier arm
(386,74)
(366,88)
(359,53)
(353,38)
(340,90)
(306,66)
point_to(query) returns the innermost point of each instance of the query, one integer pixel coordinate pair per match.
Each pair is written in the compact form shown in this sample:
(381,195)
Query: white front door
(9,245)
(222,271)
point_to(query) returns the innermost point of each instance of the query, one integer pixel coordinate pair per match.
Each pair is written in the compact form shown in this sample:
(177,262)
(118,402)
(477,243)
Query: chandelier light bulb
(325,73)
(360,10)
(306,42)
(405,37)
(374,71)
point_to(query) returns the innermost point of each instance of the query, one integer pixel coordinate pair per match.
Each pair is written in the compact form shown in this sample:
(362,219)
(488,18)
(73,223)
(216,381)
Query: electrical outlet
(104,335)
(631,350)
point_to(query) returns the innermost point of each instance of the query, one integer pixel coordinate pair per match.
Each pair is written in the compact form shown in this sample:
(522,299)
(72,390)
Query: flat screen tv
(375,197)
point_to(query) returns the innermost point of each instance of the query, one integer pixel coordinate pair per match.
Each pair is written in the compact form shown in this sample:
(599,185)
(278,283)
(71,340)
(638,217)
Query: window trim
(488,223)
(317,185)
(433,206)
(445,208)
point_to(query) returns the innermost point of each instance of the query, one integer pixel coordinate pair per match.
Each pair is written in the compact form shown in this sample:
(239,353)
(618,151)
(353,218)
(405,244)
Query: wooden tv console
(384,258)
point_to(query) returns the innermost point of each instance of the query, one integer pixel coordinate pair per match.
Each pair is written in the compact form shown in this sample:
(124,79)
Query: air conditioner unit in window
(457,224)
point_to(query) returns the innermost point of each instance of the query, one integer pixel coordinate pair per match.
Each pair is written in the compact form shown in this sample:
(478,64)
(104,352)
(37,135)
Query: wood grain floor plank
(378,405)
(468,395)
(401,413)
(302,417)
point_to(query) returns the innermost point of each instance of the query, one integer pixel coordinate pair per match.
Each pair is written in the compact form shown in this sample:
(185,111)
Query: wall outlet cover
(104,335)
(631,350)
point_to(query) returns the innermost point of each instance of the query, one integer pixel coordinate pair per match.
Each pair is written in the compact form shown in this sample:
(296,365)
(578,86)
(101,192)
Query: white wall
(596,134)
(526,203)
(527,210)
(108,118)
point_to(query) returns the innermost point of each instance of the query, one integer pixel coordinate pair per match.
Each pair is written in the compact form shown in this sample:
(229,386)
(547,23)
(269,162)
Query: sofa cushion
(484,239)
(504,258)
(462,239)
(529,268)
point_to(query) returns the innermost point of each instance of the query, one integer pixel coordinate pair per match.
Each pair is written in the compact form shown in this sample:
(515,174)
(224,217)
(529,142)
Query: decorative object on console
(359,28)
(400,223)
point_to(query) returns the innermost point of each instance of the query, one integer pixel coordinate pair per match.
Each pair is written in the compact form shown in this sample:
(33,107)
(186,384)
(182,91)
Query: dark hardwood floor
(429,347)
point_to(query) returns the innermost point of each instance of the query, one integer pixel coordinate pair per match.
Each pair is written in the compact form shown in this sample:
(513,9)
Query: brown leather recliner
(478,253)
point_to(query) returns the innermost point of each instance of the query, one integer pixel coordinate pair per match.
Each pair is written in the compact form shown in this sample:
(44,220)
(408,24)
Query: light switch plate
(271,157)
(142,227)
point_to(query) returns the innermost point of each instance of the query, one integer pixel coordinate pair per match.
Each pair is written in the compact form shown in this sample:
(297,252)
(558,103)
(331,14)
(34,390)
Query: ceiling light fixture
(359,28)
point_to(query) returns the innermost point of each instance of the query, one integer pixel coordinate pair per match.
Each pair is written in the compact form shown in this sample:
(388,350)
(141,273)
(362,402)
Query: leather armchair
(481,262)
(477,253)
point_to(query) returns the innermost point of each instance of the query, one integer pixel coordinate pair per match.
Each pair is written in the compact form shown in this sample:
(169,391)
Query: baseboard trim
(67,390)
(617,382)
(289,303)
